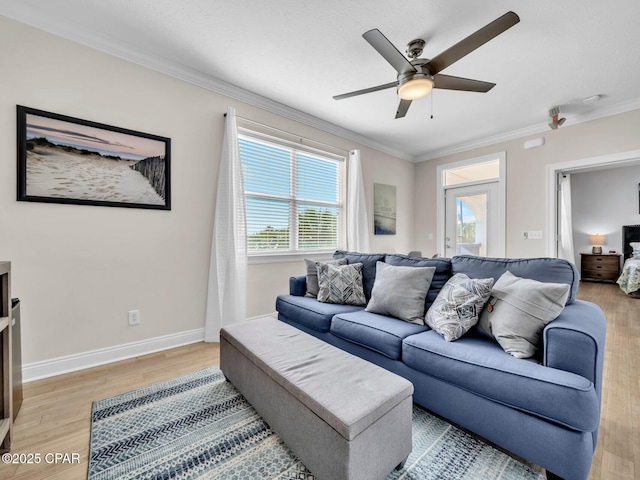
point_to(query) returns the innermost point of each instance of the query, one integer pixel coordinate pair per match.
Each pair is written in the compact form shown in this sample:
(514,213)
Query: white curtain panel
(357,220)
(226,298)
(565,249)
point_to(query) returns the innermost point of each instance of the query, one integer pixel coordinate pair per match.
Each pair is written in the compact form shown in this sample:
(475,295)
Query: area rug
(199,426)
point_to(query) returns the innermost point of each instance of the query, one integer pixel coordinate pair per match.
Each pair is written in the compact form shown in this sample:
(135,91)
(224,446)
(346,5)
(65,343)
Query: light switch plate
(534,235)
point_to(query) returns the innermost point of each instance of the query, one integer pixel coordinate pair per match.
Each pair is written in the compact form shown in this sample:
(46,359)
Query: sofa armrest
(298,285)
(574,341)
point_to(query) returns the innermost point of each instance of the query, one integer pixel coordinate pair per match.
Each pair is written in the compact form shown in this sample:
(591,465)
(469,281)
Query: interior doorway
(576,166)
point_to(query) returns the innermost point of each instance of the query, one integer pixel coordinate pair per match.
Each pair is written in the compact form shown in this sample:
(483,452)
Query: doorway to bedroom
(603,195)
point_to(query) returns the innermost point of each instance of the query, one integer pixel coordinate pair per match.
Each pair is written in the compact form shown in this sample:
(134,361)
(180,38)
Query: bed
(629,280)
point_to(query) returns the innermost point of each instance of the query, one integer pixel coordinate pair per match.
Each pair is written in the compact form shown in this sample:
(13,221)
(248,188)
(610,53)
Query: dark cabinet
(601,267)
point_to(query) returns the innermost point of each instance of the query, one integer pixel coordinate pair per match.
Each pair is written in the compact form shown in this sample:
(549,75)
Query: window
(476,172)
(293,196)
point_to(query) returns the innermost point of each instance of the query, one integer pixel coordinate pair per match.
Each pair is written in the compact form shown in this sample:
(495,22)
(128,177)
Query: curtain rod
(301,138)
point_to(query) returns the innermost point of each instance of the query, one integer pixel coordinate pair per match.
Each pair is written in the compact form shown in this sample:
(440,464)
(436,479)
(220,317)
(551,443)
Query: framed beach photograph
(63,159)
(384,209)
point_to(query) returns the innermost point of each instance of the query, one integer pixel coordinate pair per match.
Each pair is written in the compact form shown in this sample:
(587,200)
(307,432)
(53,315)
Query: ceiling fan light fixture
(416,87)
(416,76)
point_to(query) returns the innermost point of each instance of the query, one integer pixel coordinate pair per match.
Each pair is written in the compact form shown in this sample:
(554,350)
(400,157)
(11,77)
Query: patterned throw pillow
(458,305)
(340,284)
(312,275)
(636,249)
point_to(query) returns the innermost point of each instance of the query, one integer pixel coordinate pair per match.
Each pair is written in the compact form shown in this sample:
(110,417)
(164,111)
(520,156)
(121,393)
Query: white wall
(602,202)
(79,269)
(526,180)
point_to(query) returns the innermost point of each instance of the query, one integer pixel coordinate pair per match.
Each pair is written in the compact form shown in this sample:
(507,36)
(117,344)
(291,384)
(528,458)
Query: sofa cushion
(519,310)
(400,292)
(478,364)
(554,270)
(368,261)
(309,312)
(298,285)
(440,277)
(312,275)
(379,333)
(458,305)
(340,284)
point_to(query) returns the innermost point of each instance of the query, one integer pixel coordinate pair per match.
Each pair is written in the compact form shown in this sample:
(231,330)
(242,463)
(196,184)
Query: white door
(471,221)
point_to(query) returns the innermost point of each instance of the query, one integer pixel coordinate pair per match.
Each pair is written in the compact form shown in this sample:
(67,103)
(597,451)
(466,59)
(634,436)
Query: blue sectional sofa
(544,409)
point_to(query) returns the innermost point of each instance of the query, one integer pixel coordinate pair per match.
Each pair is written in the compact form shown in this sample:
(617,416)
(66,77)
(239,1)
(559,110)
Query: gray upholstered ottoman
(344,417)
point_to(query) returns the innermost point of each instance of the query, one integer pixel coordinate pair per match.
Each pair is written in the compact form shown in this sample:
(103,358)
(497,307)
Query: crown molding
(481,142)
(25,14)
(31,16)
(216,85)
(611,110)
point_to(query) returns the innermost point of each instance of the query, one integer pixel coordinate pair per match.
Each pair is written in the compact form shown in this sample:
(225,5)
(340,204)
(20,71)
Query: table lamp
(596,240)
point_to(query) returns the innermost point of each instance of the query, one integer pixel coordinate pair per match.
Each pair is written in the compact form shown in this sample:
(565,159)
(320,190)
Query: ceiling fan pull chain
(432,104)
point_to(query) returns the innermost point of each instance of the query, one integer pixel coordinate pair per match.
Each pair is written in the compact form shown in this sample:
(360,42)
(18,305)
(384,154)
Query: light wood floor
(617,454)
(55,415)
(56,412)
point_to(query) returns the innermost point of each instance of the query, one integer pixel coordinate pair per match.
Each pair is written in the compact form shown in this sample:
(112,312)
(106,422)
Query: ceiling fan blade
(447,82)
(402,108)
(366,90)
(473,41)
(390,53)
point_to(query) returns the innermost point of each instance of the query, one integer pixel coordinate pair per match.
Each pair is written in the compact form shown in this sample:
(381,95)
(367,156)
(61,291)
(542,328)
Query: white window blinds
(292,196)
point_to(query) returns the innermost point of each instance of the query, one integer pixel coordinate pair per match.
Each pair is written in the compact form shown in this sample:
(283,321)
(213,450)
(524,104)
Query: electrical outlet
(134,317)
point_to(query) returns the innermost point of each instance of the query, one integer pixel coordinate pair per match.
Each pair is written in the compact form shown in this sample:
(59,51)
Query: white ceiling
(292,56)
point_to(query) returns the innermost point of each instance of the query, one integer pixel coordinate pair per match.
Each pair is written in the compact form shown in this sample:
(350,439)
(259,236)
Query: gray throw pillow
(458,305)
(312,275)
(518,311)
(400,292)
(340,284)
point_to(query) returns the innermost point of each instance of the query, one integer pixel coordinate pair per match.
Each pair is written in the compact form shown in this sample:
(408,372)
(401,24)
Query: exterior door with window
(471,217)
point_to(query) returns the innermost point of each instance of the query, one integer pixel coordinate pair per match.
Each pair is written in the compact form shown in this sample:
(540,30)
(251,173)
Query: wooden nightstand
(600,267)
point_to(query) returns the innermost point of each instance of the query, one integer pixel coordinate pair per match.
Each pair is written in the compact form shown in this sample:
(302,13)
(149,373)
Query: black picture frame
(62,159)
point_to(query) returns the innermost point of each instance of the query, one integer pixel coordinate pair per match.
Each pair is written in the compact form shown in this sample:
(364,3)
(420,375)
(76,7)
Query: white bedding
(629,280)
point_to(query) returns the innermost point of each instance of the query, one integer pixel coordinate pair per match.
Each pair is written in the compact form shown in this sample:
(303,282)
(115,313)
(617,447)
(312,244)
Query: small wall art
(63,159)
(384,209)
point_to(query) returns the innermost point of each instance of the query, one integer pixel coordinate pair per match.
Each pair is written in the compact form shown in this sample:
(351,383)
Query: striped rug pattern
(199,426)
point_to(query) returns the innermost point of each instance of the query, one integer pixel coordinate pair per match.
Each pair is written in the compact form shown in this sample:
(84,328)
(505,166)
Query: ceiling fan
(416,77)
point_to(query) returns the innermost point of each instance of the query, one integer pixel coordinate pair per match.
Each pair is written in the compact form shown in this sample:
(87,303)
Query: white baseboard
(268,315)
(80,361)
